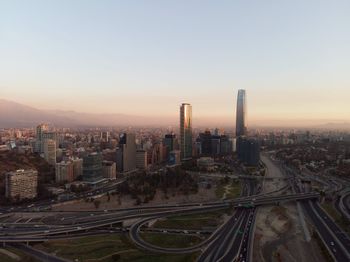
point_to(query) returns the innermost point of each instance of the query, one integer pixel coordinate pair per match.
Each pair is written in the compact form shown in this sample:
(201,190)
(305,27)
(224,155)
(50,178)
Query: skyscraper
(50,151)
(92,167)
(186,131)
(241,129)
(126,153)
(40,129)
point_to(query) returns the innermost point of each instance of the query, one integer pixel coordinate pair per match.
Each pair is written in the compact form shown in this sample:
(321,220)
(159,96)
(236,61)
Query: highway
(333,237)
(229,242)
(343,205)
(227,246)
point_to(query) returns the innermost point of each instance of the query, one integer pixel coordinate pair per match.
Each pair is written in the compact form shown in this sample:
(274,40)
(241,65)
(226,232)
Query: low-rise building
(206,163)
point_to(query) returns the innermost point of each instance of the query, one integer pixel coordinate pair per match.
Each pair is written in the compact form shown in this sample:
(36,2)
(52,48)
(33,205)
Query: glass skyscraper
(241,129)
(186,131)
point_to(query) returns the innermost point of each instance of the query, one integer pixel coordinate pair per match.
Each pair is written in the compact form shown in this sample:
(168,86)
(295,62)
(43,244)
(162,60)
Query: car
(332,243)
(186,231)
(164,231)
(78,228)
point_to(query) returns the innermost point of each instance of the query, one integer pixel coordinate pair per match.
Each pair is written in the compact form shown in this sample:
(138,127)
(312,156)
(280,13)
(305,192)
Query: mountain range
(14,114)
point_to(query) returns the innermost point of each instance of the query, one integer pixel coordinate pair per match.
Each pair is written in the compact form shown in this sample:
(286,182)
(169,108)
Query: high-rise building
(215,145)
(21,184)
(241,129)
(92,167)
(174,158)
(64,172)
(50,151)
(186,131)
(141,159)
(105,136)
(40,129)
(77,167)
(170,142)
(43,134)
(248,151)
(126,153)
(109,169)
(205,140)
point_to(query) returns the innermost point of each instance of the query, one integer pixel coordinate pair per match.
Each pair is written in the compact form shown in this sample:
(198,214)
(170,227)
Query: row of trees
(146,185)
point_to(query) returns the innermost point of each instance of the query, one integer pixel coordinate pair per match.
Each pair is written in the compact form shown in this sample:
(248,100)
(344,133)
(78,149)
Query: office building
(174,158)
(21,184)
(225,145)
(248,151)
(241,129)
(50,151)
(77,167)
(64,172)
(43,134)
(186,131)
(109,170)
(170,142)
(126,153)
(105,136)
(215,145)
(205,140)
(40,129)
(141,159)
(92,167)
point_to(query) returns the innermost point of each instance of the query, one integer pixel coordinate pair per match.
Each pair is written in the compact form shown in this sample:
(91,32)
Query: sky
(147,57)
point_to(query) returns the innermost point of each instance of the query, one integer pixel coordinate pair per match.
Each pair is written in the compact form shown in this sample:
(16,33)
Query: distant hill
(335,126)
(17,115)
(13,114)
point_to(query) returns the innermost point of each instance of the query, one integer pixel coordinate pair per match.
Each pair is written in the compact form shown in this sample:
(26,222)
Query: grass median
(106,248)
(194,221)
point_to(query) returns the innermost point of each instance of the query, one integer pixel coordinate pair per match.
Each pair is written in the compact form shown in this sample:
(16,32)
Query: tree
(97,203)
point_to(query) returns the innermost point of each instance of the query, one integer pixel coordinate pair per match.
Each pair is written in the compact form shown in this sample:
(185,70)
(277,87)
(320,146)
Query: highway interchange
(229,242)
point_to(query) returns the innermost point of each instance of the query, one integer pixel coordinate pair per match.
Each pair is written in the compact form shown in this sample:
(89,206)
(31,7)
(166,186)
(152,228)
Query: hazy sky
(146,57)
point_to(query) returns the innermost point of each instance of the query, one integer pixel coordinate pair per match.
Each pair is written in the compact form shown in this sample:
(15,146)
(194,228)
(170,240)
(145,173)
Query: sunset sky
(147,57)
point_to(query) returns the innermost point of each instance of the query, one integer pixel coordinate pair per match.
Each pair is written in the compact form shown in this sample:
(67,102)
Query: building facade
(109,169)
(141,159)
(64,172)
(248,151)
(241,128)
(126,153)
(21,184)
(77,167)
(92,167)
(50,151)
(186,131)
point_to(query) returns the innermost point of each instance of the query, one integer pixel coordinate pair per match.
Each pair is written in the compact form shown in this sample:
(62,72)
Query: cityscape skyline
(186,131)
(60,54)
